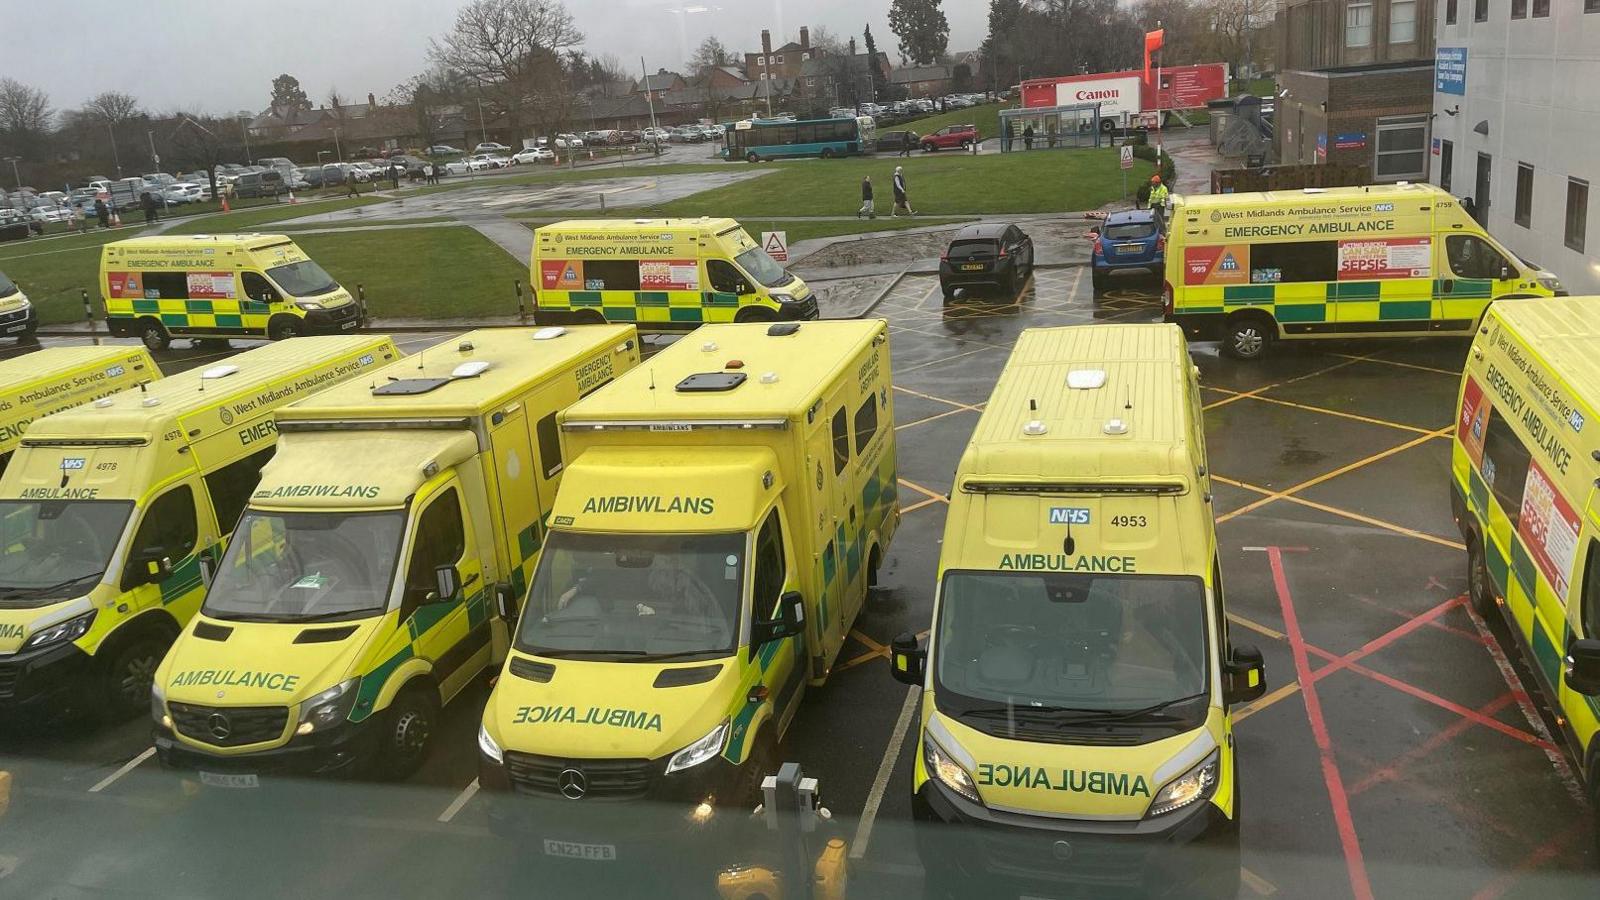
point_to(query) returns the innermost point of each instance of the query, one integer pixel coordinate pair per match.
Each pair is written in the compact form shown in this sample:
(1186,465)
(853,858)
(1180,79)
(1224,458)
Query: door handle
(1448,286)
(470,581)
(852,515)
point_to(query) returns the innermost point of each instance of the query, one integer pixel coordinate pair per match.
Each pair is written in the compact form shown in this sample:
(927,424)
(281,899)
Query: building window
(761,61)
(1450,12)
(811,81)
(1519,9)
(805,56)
(1541,9)
(1480,10)
(1402,21)
(1401,150)
(1577,212)
(1447,152)
(777,59)
(1590,6)
(1358,25)
(1522,213)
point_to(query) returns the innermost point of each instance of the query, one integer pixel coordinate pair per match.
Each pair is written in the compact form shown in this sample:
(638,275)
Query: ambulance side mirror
(1246,675)
(447,584)
(505,602)
(908,660)
(790,621)
(1583,667)
(150,566)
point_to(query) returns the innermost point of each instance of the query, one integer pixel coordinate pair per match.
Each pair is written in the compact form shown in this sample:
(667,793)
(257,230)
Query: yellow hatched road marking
(1346,513)
(1267,387)
(1326,411)
(1342,470)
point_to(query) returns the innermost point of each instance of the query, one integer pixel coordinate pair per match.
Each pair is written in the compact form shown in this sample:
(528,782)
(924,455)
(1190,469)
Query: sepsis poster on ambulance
(1378,258)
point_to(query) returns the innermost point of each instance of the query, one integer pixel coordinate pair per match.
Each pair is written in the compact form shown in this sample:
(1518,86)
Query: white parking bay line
(127,767)
(891,753)
(461,800)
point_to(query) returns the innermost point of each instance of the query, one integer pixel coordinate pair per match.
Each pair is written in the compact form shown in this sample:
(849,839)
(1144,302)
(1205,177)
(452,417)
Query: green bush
(1169,169)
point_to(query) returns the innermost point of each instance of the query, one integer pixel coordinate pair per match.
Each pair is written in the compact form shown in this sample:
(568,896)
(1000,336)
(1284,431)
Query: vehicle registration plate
(972,267)
(16,328)
(350,324)
(573,850)
(1129,248)
(213,779)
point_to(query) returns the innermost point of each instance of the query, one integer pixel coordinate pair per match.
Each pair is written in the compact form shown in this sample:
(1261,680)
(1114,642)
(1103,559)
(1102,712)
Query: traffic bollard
(521,316)
(361,301)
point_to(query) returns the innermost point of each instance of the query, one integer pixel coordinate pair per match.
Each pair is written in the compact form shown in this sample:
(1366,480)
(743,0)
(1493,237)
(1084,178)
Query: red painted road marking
(1435,624)
(1387,638)
(1391,772)
(1541,855)
(1360,885)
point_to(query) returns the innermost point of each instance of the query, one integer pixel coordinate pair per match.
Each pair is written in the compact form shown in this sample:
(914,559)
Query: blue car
(1128,241)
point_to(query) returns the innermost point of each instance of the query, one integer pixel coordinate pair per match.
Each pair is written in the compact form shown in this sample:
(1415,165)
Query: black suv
(989,255)
(896,141)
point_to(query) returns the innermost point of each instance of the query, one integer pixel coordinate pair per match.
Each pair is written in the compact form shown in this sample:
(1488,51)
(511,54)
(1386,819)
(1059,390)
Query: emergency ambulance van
(725,509)
(664,274)
(1524,463)
(47,381)
(219,286)
(111,512)
(18,318)
(1399,260)
(378,560)
(1078,675)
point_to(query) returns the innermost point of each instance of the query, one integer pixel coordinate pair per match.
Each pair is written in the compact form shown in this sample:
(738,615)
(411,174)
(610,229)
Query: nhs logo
(73,463)
(1383,207)
(1069,515)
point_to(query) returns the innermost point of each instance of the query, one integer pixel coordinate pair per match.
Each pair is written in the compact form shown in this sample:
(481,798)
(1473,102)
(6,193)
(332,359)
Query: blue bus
(761,139)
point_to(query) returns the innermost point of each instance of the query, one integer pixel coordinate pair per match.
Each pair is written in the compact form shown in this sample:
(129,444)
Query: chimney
(372,102)
(852,46)
(766,41)
(805,38)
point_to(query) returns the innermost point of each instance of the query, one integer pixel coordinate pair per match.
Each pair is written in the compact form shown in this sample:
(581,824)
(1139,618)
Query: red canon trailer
(1119,93)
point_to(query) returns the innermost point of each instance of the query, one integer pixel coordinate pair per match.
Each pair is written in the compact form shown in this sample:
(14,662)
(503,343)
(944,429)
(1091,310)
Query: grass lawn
(52,279)
(985,115)
(363,223)
(554,175)
(251,219)
(422,272)
(803,230)
(939,183)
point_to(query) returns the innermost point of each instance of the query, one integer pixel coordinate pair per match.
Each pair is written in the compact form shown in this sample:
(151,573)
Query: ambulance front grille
(610,779)
(229,726)
(8,680)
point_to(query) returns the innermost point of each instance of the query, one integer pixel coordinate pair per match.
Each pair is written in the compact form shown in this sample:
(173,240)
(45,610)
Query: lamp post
(244,127)
(483,127)
(13,160)
(111,129)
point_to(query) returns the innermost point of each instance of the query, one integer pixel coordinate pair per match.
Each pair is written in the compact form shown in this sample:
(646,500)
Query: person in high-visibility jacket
(1158,201)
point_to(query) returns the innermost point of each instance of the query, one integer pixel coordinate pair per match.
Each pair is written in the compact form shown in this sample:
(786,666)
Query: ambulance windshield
(763,268)
(303,279)
(635,597)
(56,548)
(1086,647)
(306,567)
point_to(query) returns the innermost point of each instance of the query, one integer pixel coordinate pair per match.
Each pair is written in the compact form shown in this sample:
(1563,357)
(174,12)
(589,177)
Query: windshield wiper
(1087,716)
(333,614)
(679,654)
(22,593)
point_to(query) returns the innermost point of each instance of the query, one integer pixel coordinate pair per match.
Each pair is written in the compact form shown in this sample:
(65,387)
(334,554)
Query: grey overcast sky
(213,55)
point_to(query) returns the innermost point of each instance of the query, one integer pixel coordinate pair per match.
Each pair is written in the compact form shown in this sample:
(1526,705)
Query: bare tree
(113,107)
(25,116)
(1235,24)
(510,49)
(825,42)
(710,54)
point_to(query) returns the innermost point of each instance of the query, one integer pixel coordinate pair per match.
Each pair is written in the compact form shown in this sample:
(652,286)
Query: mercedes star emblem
(1061,850)
(572,784)
(219,726)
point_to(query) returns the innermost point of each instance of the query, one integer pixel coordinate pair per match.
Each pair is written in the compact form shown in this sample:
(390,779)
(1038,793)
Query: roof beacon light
(708,347)
(470,369)
(549,334)
(769,377)
(1086,379)
(219,372)
(1115,426)
(1035,428)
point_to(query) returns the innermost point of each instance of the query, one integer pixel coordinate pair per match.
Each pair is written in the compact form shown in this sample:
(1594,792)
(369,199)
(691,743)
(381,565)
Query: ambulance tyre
(764,760)
(284,327)
(874,560)
(411,721)
(1594,793)
(154,335)
(755,314)
(130,669)
(1479,589)
(589,317)
(1222,880)
(1248,336)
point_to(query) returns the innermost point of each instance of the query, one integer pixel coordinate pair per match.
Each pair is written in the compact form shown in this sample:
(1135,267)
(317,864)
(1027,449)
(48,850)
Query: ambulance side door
(258,298)
(163,560)
(1583,621)
(445,630)
(825,468)
(519,497)
(1470,272)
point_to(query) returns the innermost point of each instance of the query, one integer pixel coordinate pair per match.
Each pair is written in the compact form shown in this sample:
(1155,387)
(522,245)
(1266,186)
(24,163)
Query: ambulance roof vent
(150,401)
(769,377)
(470,369)
(783,329)
(104,403)
(1086,379)
(1115,426)
(549,334)
(708,347)
(1034,428)
(710,382)
(1313,190)
(222,371)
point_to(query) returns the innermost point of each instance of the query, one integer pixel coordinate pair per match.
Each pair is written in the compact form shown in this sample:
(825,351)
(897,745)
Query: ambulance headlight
(1550,282)
(1193,786)
(949,772)
(488,747)
(61,632)
(308,305)
(700,751)
(783,298)
(328,708)
(158,705)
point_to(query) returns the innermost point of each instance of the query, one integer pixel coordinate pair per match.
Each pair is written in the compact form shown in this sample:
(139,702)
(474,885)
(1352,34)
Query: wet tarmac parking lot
(1396,752)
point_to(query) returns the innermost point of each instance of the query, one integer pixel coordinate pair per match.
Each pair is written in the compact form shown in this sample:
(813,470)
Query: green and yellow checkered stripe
(685,307)
(1389,300)
(245,316)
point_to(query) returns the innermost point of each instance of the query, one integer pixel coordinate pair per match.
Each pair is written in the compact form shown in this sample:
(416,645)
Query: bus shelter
(1050,127)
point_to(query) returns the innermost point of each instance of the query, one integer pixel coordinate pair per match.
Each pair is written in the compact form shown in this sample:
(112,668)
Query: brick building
(783,63)
(917,82)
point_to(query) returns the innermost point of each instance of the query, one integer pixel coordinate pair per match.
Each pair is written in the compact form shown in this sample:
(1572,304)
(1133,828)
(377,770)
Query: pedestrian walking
(394,176)
(866,199)
(1158,202)
(901,201)
(352,187)
(148,202)
(912,139)
(102,212)
(1008,137)
(1027,136)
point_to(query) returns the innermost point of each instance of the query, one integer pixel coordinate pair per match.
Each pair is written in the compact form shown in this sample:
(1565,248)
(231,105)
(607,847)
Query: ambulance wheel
(764,760)
(411,722)
(589,317)
(154,335)
(1480,590)
(1099,283)
(1247,337)
(129,672)
(283,328)
(755,314)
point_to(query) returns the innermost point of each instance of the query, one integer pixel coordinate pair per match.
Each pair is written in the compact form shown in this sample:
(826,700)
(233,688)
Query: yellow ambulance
(219,286)
(18,318)
(726,508)
(372,574)
(1076,685)
(47,381)
(1400,260)
(663,274)
(109,513)
(1524,462)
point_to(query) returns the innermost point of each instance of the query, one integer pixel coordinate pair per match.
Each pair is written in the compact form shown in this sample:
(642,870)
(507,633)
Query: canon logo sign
(1098,95)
